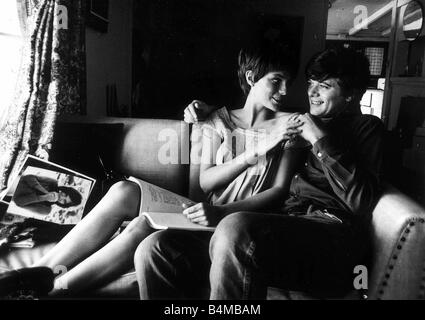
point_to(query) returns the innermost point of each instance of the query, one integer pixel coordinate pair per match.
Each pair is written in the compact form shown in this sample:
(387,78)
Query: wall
(109,55)
(189,49)
(109,58)
(315,13)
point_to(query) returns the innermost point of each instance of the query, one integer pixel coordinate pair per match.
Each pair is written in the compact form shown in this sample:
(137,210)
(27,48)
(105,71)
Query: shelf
(416,81)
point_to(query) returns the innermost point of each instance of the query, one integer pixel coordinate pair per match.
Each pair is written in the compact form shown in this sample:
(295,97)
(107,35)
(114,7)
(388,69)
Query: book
(46,191)
(163,209)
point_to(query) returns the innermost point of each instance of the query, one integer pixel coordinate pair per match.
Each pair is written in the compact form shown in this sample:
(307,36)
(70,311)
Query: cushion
(156,151)
(78,147)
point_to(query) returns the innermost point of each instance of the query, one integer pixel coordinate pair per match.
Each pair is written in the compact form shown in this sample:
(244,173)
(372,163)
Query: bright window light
(10,53)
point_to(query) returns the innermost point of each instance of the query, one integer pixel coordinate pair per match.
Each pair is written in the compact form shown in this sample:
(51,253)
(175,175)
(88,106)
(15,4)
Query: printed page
(156,199)
(168,220)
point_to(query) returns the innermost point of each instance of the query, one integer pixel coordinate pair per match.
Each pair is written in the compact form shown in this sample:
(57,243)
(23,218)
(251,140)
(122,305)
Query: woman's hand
(286,127)
(311,128)
(204,214)
(197,111)
(283,129)
(49,197)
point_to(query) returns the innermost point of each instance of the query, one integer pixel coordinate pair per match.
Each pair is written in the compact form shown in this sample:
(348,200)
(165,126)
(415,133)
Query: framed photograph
(97,15)
(47,191)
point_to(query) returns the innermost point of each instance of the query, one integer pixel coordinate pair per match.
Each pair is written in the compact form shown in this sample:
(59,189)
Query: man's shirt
(341,170)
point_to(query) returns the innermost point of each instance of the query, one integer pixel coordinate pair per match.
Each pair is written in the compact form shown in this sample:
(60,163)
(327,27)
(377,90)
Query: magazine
(163,208)
(46,191)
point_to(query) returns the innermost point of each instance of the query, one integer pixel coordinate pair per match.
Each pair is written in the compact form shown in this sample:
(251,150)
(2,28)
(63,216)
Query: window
(10,53)
(376,59)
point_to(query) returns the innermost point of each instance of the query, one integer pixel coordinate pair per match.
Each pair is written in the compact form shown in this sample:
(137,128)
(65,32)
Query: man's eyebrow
(327,82)
(280,75)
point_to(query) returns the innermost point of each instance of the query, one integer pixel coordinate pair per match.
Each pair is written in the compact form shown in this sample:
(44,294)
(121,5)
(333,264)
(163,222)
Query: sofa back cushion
(156,150)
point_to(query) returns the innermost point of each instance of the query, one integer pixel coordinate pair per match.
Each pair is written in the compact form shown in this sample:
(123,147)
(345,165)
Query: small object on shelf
(413,20)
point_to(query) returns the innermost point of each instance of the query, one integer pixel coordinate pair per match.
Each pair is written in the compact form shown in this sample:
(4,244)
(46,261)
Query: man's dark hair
(349,67)
(264,58)
(73,194)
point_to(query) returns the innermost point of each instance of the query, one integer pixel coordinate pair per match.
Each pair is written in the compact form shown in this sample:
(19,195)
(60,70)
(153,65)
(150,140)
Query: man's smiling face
(325,97)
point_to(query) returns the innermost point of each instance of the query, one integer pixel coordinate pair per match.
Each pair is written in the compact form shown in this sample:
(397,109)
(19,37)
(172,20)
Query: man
(321,233)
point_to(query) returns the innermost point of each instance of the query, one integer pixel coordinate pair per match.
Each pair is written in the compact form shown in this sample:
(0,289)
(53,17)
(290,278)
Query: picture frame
(98,15)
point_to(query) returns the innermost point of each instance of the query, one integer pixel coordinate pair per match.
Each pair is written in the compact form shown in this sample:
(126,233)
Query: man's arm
(197,111)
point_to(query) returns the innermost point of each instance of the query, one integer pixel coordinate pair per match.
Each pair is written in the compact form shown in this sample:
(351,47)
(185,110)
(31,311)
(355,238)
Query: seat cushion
(16,258)
(125,286)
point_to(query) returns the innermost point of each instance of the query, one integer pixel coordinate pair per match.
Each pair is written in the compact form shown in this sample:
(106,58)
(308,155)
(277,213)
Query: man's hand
(311,128)
(197,111)
(204,214)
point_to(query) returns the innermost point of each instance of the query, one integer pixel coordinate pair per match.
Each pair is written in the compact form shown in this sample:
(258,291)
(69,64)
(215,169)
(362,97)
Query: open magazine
(46,191)
(163,209)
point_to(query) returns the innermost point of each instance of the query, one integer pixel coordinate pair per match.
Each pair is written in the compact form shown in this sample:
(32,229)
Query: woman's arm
(273,197)
(269,199)
(33,182)
(213,176)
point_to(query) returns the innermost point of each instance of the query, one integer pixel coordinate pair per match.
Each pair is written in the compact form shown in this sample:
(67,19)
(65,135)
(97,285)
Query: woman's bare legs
(113,259)
(93,232)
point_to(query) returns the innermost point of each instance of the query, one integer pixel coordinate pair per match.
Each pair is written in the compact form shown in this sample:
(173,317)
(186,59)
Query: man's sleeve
(353,171)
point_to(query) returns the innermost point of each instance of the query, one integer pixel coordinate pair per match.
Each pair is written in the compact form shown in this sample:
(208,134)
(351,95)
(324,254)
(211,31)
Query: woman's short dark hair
(73,194)
(262,59)
(349,67)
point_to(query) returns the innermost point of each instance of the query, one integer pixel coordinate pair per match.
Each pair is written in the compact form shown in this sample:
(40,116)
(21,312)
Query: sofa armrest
(398,237)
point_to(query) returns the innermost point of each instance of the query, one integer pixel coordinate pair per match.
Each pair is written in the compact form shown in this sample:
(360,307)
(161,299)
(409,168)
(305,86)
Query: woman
(87,252)
(41,192)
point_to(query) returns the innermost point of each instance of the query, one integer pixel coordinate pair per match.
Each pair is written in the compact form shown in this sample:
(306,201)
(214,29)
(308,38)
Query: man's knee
(232,232)
(151,248)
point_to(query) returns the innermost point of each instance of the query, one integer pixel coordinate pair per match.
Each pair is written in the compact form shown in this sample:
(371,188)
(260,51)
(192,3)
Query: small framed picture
(97,15)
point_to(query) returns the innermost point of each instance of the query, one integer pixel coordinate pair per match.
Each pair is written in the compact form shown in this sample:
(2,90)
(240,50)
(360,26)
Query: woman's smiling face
(270,90)
(326,98)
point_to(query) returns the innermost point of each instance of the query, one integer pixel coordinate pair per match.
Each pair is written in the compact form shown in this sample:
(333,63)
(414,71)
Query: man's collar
(348,112)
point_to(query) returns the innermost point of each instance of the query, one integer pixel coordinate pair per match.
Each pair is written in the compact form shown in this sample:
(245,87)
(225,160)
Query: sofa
(132,147)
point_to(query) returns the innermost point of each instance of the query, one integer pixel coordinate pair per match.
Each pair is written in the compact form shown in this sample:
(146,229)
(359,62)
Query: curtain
(51,80)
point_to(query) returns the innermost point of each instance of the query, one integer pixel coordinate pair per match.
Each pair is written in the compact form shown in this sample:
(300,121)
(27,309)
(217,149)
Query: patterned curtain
(51,80)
